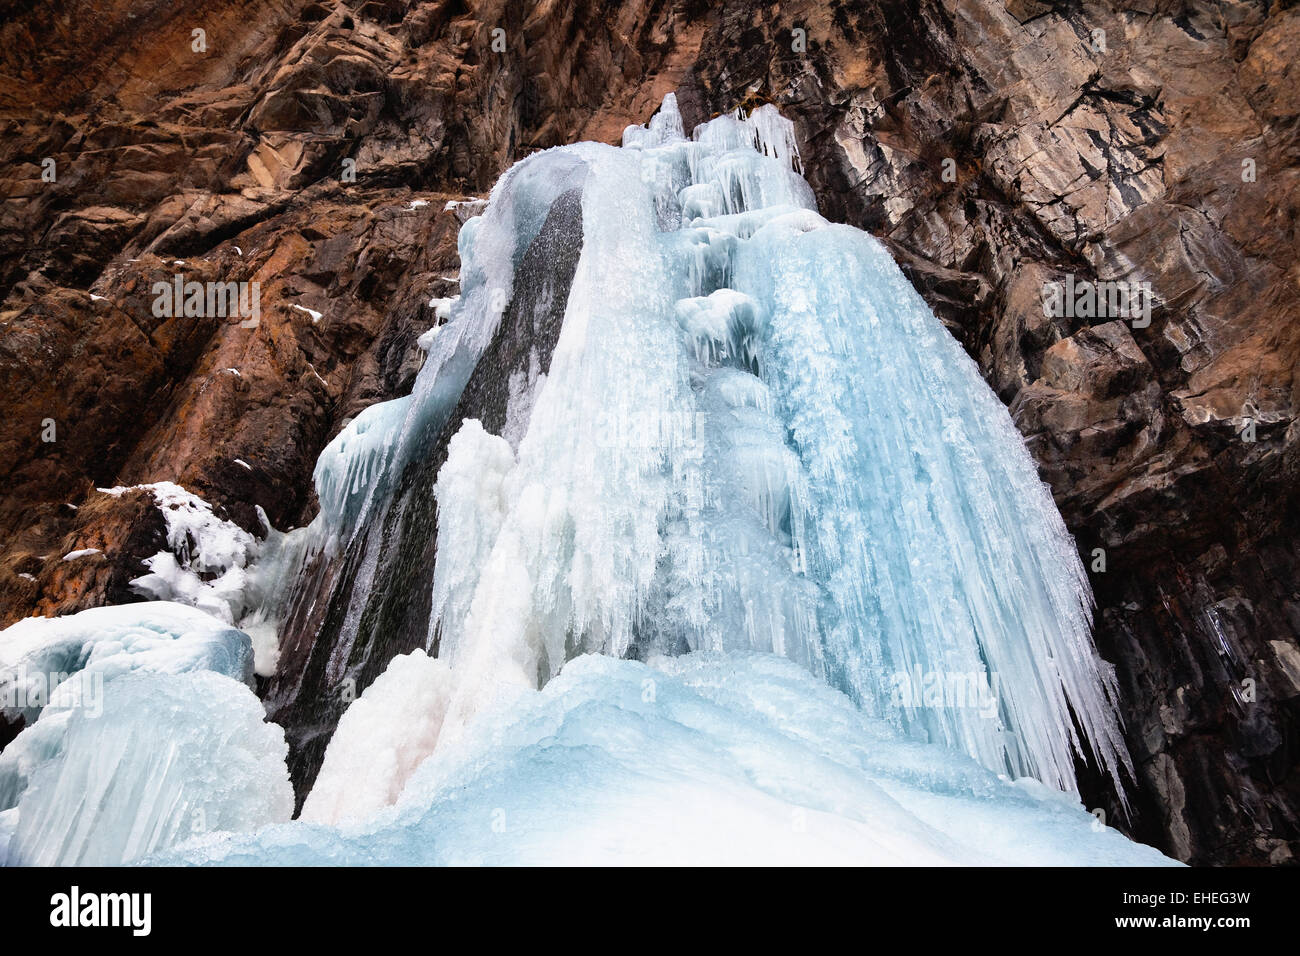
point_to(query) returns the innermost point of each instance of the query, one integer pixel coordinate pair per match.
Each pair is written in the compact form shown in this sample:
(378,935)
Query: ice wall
(142,731)
(171,756)
(755,435)
(697,760)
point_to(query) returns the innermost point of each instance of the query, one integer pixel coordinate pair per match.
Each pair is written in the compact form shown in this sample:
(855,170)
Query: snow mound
(383,736)
(702,759)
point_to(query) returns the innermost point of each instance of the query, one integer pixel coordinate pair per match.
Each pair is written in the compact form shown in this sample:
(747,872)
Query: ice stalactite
(754,434)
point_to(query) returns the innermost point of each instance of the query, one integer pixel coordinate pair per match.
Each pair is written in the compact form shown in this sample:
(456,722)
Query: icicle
(756,435)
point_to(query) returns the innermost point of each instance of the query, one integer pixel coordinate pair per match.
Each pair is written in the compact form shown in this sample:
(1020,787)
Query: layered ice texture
(758,570)
(142,731)
(170,757)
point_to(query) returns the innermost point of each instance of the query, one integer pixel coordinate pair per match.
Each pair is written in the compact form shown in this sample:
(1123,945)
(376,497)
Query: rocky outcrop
(994,145)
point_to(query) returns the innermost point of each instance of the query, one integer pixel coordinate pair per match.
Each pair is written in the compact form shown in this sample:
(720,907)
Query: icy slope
(702,759)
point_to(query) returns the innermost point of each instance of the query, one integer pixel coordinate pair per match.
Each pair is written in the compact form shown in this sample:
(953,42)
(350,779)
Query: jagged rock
(121,531)
(993,144)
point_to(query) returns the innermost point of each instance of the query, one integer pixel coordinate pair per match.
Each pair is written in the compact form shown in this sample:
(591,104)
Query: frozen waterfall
(756,560)
(755,435)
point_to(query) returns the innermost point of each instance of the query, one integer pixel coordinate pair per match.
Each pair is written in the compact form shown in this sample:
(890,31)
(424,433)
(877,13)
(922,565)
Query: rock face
(311,146)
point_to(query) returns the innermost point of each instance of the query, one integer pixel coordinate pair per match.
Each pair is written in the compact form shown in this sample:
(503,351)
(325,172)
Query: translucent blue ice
(755,435)
(142,730)
(702,759)
(170,756)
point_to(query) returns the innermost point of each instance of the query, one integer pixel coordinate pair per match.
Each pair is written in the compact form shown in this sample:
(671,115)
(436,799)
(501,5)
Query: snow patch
(382,737)
(442,307)
(209,562)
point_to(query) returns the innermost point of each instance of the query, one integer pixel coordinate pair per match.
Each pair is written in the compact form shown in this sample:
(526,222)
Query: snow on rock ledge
(208,565)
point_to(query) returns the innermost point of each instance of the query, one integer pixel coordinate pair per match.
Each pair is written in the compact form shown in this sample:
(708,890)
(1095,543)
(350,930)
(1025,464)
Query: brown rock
(1152,142)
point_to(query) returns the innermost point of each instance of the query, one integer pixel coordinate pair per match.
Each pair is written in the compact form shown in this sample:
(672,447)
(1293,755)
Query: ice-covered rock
(171,757)
(201,541)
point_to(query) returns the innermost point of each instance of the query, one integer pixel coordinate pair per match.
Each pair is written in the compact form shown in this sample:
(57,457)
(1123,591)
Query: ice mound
(702,759)
(170,757)
(54,668)
(383,736)
(37,654)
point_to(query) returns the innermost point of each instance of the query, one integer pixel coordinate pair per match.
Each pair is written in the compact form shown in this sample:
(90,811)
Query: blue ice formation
(141,731)
(754,434)
(759,569)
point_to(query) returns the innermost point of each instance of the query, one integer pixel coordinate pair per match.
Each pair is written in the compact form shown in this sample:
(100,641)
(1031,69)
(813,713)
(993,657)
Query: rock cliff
(320,148)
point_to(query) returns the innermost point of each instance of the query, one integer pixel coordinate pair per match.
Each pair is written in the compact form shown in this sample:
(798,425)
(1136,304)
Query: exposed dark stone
(305,697)
(993,145)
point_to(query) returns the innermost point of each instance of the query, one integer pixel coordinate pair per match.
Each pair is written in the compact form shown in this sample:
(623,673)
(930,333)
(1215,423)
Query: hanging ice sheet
(755,434)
